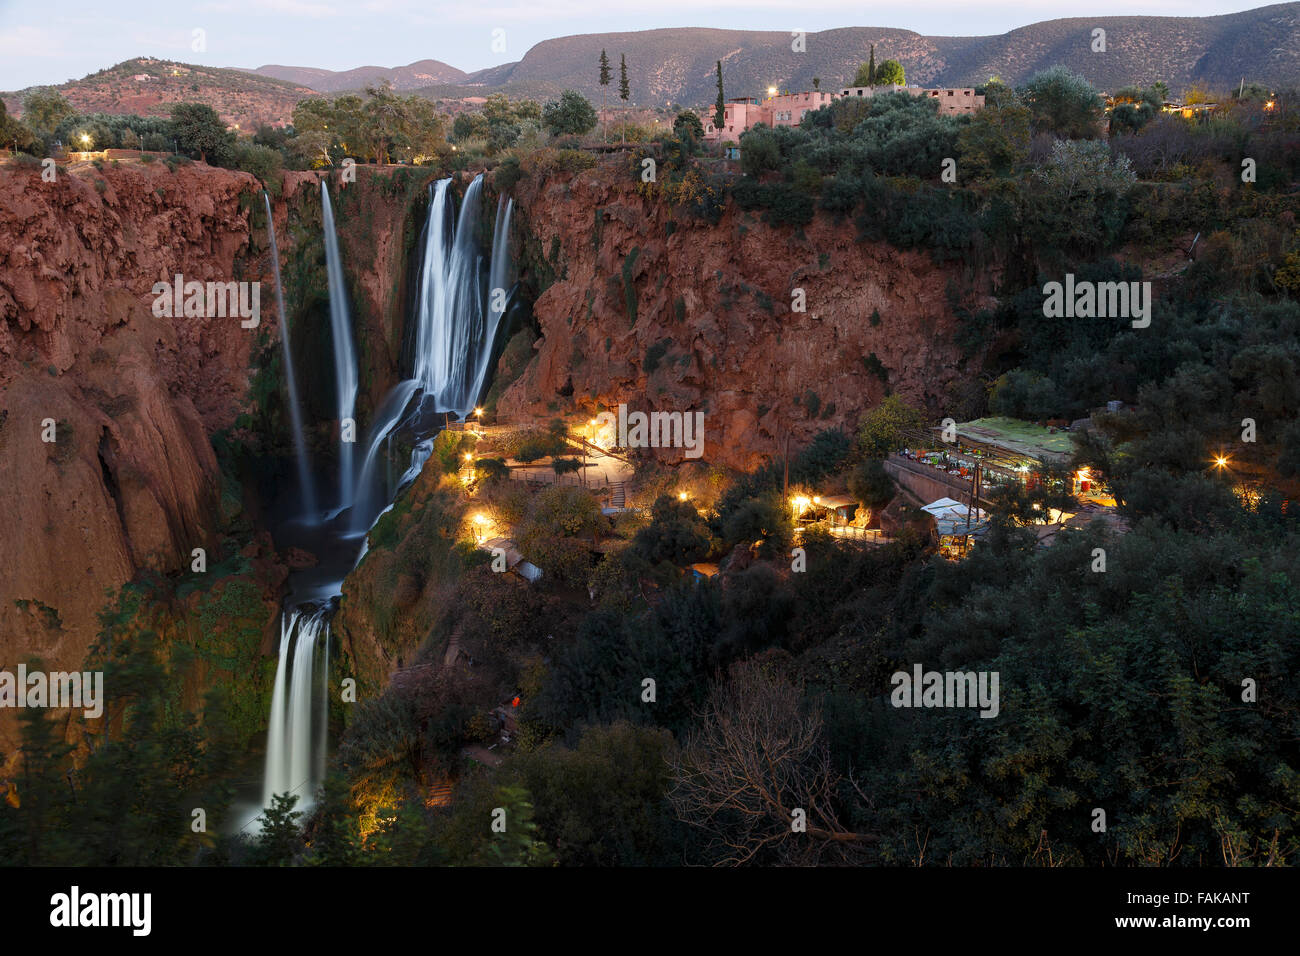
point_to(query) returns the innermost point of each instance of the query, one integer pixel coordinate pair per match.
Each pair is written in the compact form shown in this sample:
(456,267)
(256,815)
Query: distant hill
(413,76)
(677,66)
(149,87)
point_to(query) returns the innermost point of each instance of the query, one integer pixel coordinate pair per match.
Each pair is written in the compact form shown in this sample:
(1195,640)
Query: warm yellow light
(800,503)
(469,456)
(817,499)
(681,496)
(478,411)
(771,91)
(85,138)
(1221,461)
(480,519)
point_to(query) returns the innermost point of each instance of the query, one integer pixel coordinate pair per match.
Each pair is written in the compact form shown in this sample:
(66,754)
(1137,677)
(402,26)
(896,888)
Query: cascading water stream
(306,489)
(498,297)
(455,328)
(295,736)
(345,356)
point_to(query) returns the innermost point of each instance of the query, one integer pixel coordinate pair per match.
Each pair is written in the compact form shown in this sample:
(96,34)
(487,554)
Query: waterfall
(345,356)
(455,326)
(295,736)
(455,329)
(387,417)
(498,293)
(306,489)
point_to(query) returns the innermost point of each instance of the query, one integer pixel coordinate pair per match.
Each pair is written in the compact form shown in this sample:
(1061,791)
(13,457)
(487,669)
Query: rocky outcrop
(662,311)
(105,409)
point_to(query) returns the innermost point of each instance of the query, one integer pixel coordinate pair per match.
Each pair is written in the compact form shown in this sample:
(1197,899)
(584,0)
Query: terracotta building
(788,109)
(951,101)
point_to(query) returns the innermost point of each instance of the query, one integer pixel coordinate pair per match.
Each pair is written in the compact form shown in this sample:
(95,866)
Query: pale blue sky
(51,42)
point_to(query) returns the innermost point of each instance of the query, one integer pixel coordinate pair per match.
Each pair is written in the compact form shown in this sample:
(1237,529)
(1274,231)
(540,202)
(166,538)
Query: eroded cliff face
(129,481)
(662,311)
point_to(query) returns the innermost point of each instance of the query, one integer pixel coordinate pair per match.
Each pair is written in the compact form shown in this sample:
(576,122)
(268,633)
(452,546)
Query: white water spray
(345,356)
(295,736)
(306,489)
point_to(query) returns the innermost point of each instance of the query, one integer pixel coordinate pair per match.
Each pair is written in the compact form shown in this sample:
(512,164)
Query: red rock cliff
(129,481)
(714,328)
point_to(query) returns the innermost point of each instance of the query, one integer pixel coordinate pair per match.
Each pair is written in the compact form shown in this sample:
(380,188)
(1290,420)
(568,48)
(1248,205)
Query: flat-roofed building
(788,109)
(952,101)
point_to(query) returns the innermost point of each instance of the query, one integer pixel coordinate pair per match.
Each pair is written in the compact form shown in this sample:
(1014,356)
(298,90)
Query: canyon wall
(660,310)
(131,482)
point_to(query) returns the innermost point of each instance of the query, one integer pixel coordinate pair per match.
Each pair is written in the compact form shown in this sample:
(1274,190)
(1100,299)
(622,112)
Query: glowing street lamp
(682,496)
(85,140)
(480,528)
(771,91)
(1220,461)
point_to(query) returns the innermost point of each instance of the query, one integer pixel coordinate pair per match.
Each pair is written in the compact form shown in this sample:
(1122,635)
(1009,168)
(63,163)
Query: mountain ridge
(675,65)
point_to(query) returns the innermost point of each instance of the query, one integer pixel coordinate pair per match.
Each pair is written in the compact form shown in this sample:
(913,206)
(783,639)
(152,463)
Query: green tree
(570,115)
(604,85)
(469,126)
(676,533)
(1063,103)
(493,825)
(867,74)
(766,519)
(336,841)
(890,73)
(604,802)
(624,90)
(688,127)
(199,130)
(450,448)
(280,841)
(871,484)
(15,134)
(719,107)
(1078,197)
(995,142)
(43,110)
(888,427)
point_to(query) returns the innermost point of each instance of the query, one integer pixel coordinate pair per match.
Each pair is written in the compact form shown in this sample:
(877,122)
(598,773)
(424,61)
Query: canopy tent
(951,517)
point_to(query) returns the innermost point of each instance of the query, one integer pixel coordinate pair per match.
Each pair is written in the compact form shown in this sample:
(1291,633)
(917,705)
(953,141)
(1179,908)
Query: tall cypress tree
(624,91)
(871,67)
(604,82)
(719,110)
